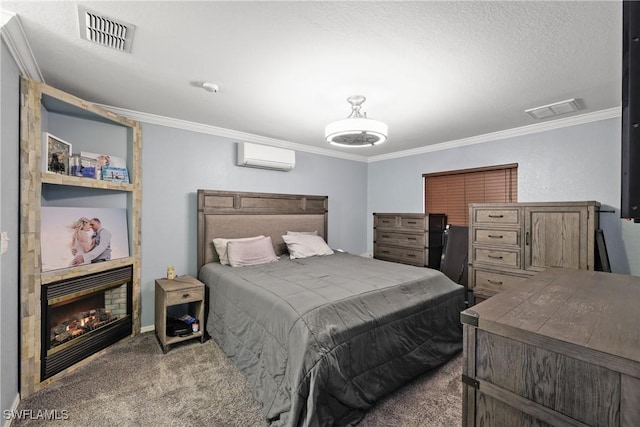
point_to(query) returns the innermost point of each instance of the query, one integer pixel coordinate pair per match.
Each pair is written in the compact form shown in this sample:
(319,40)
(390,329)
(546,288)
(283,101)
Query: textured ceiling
(434,71)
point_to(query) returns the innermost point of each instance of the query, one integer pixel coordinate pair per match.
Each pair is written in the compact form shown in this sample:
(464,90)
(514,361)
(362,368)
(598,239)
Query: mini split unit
(265,157)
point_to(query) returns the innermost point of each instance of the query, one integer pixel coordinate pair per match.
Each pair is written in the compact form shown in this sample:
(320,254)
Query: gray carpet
(135,384)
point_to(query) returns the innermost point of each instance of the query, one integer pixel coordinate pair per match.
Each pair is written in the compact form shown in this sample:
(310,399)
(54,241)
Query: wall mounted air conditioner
(265,157)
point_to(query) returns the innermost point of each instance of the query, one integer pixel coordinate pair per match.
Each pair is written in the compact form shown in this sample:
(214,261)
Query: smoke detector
(210,87)
(104,30)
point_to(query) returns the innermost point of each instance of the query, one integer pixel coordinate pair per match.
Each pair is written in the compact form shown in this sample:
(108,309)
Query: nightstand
(178,291)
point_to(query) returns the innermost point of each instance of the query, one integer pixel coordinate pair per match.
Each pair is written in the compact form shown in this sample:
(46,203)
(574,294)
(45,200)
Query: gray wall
(176,163)
(9,220)
(574,163)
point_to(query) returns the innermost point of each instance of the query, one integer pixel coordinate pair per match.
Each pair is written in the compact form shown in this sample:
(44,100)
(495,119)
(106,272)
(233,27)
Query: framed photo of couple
(71,233)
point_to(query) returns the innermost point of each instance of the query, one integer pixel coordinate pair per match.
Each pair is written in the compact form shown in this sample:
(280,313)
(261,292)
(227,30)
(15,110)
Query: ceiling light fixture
(356,130)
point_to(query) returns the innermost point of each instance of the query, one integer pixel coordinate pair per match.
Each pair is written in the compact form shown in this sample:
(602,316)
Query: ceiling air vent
(106,31)
(555,109)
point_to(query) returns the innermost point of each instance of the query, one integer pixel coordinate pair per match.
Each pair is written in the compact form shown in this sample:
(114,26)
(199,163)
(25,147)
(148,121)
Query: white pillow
(293,233)
(221,247)
(251,252)
(305,245)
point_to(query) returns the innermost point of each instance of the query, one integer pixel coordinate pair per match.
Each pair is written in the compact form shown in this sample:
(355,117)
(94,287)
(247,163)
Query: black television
(630,200)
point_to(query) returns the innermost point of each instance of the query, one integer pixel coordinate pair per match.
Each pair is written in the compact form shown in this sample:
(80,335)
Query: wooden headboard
(233,214)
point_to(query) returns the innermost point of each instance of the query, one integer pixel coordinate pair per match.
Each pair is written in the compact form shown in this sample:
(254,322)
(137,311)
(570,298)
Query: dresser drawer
(492,282)
(416,240)
(497,216)
(417,223)
(406,256)
(386,221)
(505,257)
(398,221)
(184,296)
(499,237)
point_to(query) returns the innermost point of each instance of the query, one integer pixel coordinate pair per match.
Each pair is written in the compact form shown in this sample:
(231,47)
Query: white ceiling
(435,72)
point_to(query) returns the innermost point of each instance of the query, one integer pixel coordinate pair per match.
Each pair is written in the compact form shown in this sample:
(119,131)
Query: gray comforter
(321,339)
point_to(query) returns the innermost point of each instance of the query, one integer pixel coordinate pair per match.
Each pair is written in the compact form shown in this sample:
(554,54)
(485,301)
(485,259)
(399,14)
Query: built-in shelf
(44,109)
(80,270)
(175,340)
(59,179)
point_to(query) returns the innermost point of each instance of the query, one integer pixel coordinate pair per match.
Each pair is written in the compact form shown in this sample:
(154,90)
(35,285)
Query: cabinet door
(557,237)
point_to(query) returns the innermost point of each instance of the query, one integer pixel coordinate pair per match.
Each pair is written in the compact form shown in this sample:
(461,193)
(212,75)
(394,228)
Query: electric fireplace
(84,315)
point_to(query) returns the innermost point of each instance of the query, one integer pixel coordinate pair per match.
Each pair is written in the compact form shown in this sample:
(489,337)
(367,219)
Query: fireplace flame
(80,323)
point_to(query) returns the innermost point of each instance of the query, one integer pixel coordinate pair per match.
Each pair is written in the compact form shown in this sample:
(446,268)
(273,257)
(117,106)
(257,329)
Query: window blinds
(451,192)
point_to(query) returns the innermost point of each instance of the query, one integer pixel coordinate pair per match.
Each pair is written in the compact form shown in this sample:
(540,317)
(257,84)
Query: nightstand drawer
(498,257)
(498,237)
(497,216)
(416,240)
(184,296)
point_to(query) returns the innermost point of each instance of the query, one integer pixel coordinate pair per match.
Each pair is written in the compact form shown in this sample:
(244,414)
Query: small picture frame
(88,168)
(104,160)
(57,154)
(115,174)
(75,167)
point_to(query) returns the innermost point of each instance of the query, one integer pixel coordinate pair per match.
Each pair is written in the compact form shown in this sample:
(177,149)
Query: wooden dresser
(409,238)
(510,242)
(562,349)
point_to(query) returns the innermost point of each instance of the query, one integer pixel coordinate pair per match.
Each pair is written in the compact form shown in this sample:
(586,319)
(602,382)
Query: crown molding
(228,133)
(509,133)
(248,137)
(18,45)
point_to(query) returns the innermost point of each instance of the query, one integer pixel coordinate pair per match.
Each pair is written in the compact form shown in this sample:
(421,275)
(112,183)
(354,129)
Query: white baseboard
(14,408)
(148,328)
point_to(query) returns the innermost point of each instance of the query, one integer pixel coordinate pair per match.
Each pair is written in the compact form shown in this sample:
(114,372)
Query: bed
(319,338)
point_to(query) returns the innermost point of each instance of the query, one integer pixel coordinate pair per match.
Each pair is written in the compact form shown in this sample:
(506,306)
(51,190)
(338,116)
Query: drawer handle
(411,222)
(495,236)
(386,236)
(411,255)
(386,221)
(493,282)
(495,256)
(185,295)
(496,216)
(411,238)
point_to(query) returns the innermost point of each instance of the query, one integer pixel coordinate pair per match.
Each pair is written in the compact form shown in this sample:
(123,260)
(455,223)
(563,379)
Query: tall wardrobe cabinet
(510,242)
